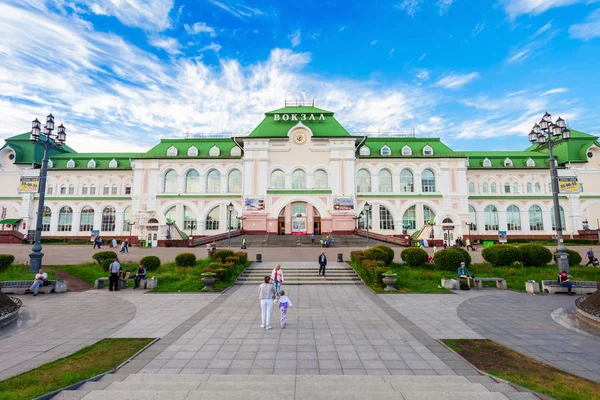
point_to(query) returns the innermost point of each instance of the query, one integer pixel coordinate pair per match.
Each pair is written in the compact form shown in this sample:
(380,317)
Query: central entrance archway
(298,218)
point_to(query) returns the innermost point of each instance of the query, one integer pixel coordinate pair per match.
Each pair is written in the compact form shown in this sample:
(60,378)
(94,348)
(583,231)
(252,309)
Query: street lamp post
(192,227)
(229,212)
(367,212)
(48,141)
(548,133)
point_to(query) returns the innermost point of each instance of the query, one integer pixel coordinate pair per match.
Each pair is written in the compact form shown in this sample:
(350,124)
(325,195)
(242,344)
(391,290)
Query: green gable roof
(272,127)
(183,145)
(573,150)
(27,152)
(396,144)
(497,158)
(102,160)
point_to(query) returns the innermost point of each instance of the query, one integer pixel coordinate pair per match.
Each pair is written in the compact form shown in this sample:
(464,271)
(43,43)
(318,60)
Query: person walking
(113,280)
(468,242)
(322,264)
(139,276)
(312,239)
(590,257)
(277,276)
(244,243)
(284,304)
(266,295)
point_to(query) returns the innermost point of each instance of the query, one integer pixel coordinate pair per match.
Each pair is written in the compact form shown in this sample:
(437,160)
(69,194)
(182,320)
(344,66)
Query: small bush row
(530,255)
(5,261)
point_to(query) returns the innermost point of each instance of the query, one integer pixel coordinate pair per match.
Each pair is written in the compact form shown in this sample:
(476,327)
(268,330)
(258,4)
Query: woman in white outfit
(266,294)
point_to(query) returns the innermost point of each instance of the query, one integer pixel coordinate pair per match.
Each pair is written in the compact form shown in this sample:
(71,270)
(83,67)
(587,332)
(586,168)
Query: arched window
(409,219)
(515,187)
(171,215)
(113,163)
(108,219)
(473,218)
(192,151)
(170,185)
(212,219)
(536,218)
(85,189)
(234,181)
(65,219)
(407,181)
(127,189)
(50,164)
(71,189)
(447,221)
(385,151)
(299,209)
(320,179)
(428,215)
(530,162)
(213,181)
(562,218)
(364,151)
(507,187)
(406,151)
(91,164)
(362,219)
(114,190)
(513,218)
(235,152)
(538,187)
(46,219)
(428,150)
(508,162)
(86,219)
(529,187)
(386,221)
(363,181)
(277,179)
(50,190)
(385,181)
(490,215)
(172,151)
(214,151)
(493,187)
(63,189)
(428,181)
(487,163)
(127,219)
(298,179)
(192,181)
(471,187)
(189,219)
(70,164)
(106,189)
(92,189)
(485,188)
(549,187)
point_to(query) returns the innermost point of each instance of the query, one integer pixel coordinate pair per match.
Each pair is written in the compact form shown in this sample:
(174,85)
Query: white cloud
(587,30)
(515,8)
(410,6)
(151,15)
(542,29)
(554,91)
(455,81)
(422,57)
(444,6)
(392,51)
(342,28)
(422,76)
(212,46)
(168,44)
(199,27)
(519,56)
(295,38)
(237,10)
(478,28)
(373,42)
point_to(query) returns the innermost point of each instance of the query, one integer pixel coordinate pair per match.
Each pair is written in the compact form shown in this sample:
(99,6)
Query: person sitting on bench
(140,274)
(564,281)
(463,273)
(41,279)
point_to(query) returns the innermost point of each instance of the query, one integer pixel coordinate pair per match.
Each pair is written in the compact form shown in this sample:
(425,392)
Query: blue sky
(123,74)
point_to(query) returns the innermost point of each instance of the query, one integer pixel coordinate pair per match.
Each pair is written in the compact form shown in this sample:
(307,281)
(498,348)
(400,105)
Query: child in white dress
(284,304)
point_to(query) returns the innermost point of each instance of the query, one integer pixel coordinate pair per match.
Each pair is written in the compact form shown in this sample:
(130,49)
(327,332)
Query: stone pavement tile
(262,371)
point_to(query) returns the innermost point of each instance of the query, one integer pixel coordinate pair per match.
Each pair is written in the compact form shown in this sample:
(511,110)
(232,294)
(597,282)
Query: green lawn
(21,273)
(88,362)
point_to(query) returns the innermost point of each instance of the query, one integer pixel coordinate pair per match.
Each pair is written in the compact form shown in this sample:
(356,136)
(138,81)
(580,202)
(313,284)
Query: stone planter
(532,287)
(390,282)
(208,280)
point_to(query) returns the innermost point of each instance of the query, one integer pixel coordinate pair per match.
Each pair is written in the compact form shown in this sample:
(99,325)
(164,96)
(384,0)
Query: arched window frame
(428,181)
(192,151)
(409,218)
(385,181)
(487,163)
(113,164)
(406,151)
(50,190)
(428,215)
(490,215)
(63,189)
(364,151)
(473,218)
(108,219)
(493,187)
(46,219)
(65,219)
(320,179)
(92,189)
(234,181)
(71,164)
(192,181)
(277,180)
(50,164)
(385,151)
(91,164)
(363,181)
(170,181)
(508,162)
(86,219)
(407,181)
(530,162)
(71,189)
(513,218)
(428,150)
(471,187)
(235,152)
(298,179)
(213,181)
(172,151)
(212,219)
(386,220)
(214,152)
(485,188)
(536,218)
(126,219)
(516,187)
(537,188)
(529,187)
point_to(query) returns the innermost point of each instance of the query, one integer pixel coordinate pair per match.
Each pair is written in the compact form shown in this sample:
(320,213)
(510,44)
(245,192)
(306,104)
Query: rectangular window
(92,189)
(127,189)
(84,190)
(71,190)
(50,190)
(114,190)
(63,189)
(46,224)
(106,190)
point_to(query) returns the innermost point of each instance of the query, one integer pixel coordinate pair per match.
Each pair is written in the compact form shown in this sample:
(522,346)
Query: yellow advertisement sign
(568,185)
(29,184)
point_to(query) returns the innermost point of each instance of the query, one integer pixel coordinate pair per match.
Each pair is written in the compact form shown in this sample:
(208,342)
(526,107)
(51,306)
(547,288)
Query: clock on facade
(299,138)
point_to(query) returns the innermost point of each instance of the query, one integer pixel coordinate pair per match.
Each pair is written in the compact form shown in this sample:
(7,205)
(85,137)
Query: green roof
(183,145)
(573,150)
(102,160)
(396,144)
(519,159)
(271,127)
(26,152)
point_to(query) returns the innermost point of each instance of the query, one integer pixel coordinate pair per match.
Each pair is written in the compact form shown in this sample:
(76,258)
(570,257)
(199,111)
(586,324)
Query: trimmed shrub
(221,255)
(574,258)
(450,259)
(534,255)
(414,256)
(101,256)
(151,263)
(374,269)
(388,251)
(376,254)
(235,260)
(185,260)
(357,256)
(242,255)
(501,255)
(5,261)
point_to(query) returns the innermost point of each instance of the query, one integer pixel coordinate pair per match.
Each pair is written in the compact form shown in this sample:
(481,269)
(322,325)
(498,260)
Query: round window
(11,157)
(590,154)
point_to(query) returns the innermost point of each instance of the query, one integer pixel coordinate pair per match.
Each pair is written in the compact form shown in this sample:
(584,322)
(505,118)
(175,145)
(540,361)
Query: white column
(203,182)
(417,182)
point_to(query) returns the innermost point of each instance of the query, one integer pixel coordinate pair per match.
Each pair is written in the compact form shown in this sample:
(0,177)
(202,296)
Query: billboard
(29,184)
(254,204)
(502,237)
(568,185)
(343,203)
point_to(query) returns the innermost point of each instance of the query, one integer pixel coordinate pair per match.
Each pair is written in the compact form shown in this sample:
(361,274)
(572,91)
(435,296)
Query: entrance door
(317,225)
(281,226)
(155,239)
(299,226)
(449,237)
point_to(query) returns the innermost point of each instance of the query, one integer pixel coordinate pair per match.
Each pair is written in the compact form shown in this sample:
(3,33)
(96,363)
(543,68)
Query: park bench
(146,283)
(100,283)
(20,287)
(454,283)
(579,287)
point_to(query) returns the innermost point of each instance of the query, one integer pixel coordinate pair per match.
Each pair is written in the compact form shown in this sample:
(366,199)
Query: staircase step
(307,282)
(71,395)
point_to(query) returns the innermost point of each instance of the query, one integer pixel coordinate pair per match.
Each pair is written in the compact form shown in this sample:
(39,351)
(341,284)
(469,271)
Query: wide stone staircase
(290,387)
(301,273)
(299,241)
